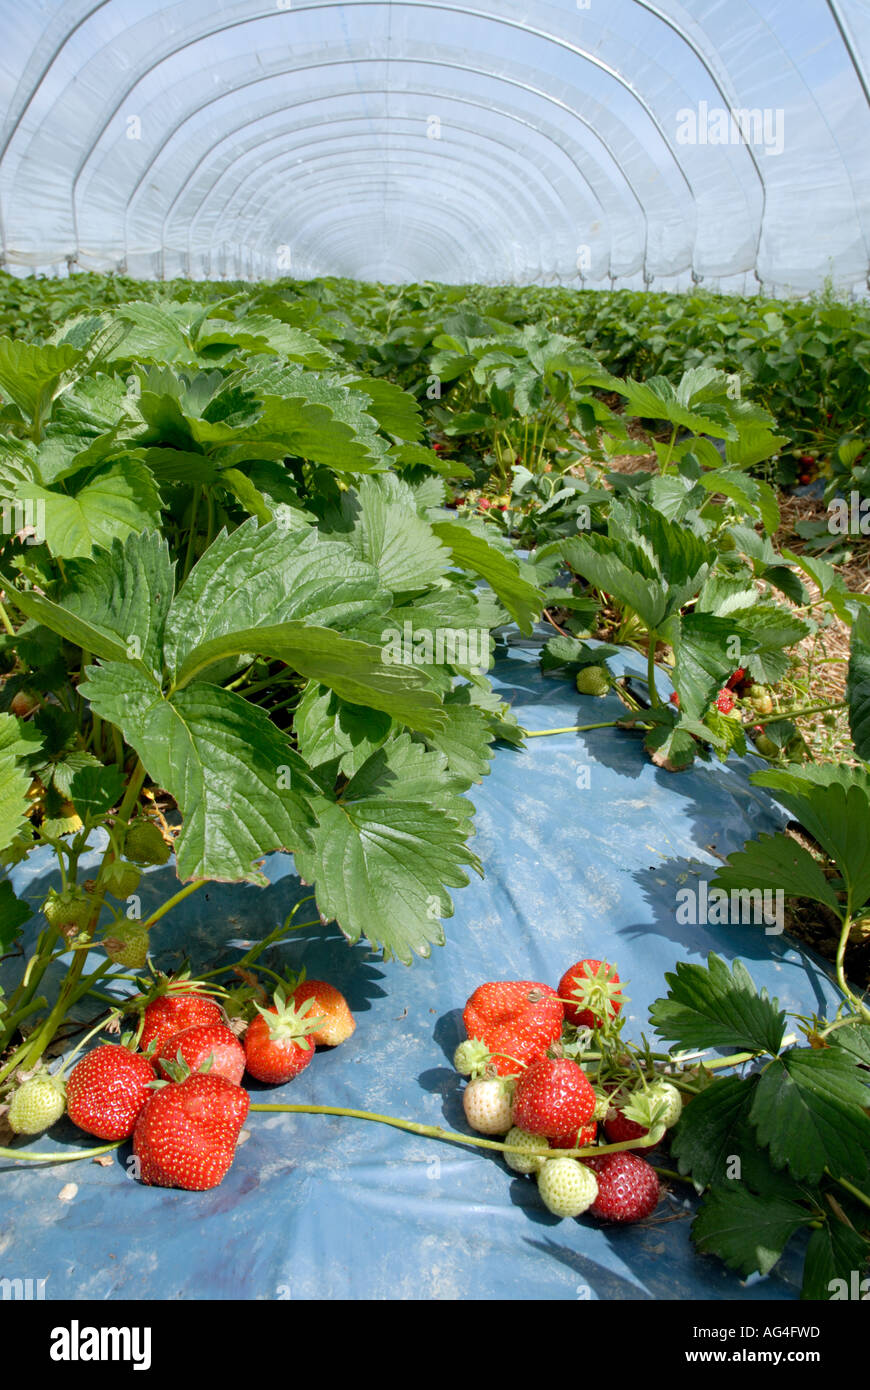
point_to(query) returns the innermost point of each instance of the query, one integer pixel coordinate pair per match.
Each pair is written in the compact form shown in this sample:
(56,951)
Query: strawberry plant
(243,598)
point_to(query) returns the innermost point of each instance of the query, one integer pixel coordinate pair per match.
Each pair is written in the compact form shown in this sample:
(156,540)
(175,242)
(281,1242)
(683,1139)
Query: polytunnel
(573,143)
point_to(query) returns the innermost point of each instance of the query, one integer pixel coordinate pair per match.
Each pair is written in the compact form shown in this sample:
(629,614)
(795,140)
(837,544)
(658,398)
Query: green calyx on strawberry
(592,994)
(126,943)
(144,843)
(120,878)
(472,1058)
(206,1047)
(71,908)
(37,1104)
(278,1042)
(593,680)
(288,1021)
(656,1108)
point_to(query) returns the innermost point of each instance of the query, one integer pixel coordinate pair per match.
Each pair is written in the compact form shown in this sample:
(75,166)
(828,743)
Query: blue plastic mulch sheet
(321,1207)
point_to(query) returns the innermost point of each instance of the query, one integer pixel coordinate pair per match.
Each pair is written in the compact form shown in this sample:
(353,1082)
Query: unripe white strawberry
(487,1104)
(567,1187)
(37,1104)
(535,1149)
(668,1099)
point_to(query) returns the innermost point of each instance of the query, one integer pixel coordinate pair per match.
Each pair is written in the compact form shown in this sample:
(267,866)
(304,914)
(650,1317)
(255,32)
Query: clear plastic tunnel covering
(573,142)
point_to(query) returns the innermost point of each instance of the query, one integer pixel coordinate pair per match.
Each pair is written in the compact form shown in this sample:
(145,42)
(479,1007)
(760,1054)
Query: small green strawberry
(127,944)
(761,699)
(766,746)
(144,843)
(567,1187)
(535,1149)
(121,879)
(37,1104)
(72,907)
(593,680)
(472,1057)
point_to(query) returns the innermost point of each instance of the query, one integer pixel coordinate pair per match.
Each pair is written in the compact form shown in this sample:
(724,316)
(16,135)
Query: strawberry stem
(572,729)
(23,1157)
(450,1136)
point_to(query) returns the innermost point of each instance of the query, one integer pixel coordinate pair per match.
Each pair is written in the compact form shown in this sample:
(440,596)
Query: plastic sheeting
(318,1207)
(551,141)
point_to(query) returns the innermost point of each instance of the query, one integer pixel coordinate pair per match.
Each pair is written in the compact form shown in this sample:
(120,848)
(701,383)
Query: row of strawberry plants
(233,506)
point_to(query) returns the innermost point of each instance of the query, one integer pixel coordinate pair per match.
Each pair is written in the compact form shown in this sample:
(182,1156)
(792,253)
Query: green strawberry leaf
(395,410)
(836,1259)
(808,1110)
(833,804)
(329,729)
(382,867)
(14,785)
(119,499)
(472,552)
(391,536)
(747,1232)
(777,862)
(241,789)
(704,1141)
(266,576)
(858,684)
(30,375)
(95,790)
(712,1006)
(13,912)
(113,605)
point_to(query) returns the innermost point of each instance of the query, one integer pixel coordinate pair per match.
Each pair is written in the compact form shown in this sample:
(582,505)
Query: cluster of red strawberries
(521,1088)
(180,1096)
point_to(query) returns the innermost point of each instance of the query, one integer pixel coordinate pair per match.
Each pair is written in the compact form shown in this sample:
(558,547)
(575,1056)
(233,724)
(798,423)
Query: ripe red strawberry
(553,1097)
(596,987)
(575,1138)
(735,678)
(674,698)
(186,1135)
(200,1042)
(278,1042)
(107,1089)
(172,1012)
(628,1187)
(725,701)
(337,1020)
(517,1019)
